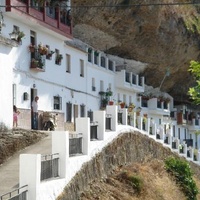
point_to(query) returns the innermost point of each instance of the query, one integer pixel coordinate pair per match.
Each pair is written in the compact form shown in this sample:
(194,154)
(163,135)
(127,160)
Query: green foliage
(181,171)
(194,92)
(136,182)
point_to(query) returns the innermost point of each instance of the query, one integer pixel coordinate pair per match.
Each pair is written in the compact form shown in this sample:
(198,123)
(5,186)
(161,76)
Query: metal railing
(17,194)
(75,144)
(49,166)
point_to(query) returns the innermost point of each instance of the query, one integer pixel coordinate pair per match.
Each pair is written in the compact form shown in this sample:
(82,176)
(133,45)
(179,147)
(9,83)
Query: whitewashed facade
(69,89)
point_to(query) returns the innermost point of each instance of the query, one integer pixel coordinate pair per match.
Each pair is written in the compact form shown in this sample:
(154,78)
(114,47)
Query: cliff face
(165,37)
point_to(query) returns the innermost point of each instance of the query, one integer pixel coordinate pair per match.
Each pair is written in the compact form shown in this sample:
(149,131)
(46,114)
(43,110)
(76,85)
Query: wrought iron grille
(75,144)
(49,166)
(119,117)
(17,194)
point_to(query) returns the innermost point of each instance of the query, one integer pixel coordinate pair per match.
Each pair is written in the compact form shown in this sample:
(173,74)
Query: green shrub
(135,181)
(180,169)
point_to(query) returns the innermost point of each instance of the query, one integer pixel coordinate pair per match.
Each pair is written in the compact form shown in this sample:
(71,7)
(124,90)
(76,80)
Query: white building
(71,87)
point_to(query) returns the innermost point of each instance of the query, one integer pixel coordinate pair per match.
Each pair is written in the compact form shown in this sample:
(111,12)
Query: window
(174,131)
(82,106)
(110,65)
(69,112)
(127,77)
(81,68)
(103,62)
(57,103)
(101,85)
(134,79)
(93,84)
(90,115)
(65,16)
(159,104)
(58,57)
(36,5)
(68,63)
(144,103)
(90,55)
(96,56)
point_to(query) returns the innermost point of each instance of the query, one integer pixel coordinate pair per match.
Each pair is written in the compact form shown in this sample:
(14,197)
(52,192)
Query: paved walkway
(9,171)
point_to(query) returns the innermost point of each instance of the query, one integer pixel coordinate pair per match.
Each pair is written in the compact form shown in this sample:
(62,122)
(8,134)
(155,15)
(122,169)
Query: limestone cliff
(163,36)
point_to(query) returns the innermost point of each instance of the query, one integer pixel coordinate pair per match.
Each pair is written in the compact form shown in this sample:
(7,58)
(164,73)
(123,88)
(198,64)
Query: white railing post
(29,173)
(83,126)
(60,145)
(124,116)
(113,111)
(100,117)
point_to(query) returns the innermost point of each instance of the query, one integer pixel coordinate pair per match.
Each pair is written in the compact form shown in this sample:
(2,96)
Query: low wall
(125,149)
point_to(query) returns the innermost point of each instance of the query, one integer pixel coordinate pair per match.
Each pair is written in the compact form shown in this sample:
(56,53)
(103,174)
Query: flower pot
(49,56)
(34,64)
(111,102)
(122,105)
(32,49)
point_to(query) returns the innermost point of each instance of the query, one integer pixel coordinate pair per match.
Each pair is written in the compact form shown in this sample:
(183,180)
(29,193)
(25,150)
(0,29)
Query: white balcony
(129,81)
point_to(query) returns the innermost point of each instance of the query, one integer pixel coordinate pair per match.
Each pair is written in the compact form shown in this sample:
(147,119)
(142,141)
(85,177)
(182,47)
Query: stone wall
(127,148)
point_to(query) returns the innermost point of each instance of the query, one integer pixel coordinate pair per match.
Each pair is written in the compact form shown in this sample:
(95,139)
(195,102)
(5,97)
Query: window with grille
(90,115)
(81,68)
(68,63)
(82,110)
(90,52)
(69,112)
(110,65)
(93,84)
(57,103)
(103,62)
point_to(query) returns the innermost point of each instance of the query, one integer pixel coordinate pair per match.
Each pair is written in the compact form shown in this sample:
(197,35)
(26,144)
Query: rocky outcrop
(165,37)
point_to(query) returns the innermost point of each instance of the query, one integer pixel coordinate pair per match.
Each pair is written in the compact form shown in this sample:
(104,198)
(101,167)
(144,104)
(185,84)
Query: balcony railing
(58,17)
(49,166)
(16,194)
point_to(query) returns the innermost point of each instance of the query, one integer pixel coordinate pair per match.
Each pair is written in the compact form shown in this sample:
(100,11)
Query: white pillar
(83,126)
(113,111)
(29,173)
(100,117)
(60,145)
(124,116)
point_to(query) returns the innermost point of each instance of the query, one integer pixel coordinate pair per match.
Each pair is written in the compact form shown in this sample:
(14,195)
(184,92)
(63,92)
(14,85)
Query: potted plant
(32,48)
(43,50)
(34,63)
(20,36)
(59,57)
(49,54)
(17,35)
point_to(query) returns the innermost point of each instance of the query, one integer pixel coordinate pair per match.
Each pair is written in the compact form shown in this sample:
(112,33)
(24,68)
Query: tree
(194,92)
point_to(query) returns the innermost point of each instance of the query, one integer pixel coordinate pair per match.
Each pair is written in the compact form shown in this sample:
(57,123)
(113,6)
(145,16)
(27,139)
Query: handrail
(10,193)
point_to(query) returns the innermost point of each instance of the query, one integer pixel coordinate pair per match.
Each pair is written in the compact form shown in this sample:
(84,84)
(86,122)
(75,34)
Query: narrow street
(9,171)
